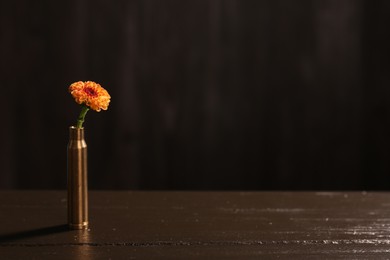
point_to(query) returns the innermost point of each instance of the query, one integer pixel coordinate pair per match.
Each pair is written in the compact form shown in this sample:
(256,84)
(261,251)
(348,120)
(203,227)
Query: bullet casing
(77,179)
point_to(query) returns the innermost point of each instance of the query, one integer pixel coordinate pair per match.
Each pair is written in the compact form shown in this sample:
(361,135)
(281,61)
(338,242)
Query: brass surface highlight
(77,179)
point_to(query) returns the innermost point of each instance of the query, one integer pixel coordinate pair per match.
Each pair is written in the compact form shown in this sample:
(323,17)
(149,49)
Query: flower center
(90,92)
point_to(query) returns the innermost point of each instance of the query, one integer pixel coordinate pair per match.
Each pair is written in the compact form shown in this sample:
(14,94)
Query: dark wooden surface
(198,225)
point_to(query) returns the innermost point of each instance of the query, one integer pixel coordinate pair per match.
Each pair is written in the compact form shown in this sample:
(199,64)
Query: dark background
(206,94)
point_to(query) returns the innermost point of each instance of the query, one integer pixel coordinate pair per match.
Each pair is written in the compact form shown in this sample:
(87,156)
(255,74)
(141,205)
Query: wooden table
(198,225)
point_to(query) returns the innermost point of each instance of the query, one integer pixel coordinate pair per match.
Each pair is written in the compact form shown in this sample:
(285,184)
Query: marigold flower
(91,94)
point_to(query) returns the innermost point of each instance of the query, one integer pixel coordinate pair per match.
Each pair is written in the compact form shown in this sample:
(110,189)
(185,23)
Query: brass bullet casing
(77,179)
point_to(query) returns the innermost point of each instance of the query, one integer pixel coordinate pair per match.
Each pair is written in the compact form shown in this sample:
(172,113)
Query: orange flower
(91,94)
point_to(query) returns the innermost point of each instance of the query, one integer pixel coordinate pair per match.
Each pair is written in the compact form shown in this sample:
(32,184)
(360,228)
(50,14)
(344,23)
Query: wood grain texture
(199,225)
(221,94)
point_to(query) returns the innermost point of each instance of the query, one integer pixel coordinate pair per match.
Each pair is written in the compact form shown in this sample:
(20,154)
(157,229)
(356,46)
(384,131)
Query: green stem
(81,118)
